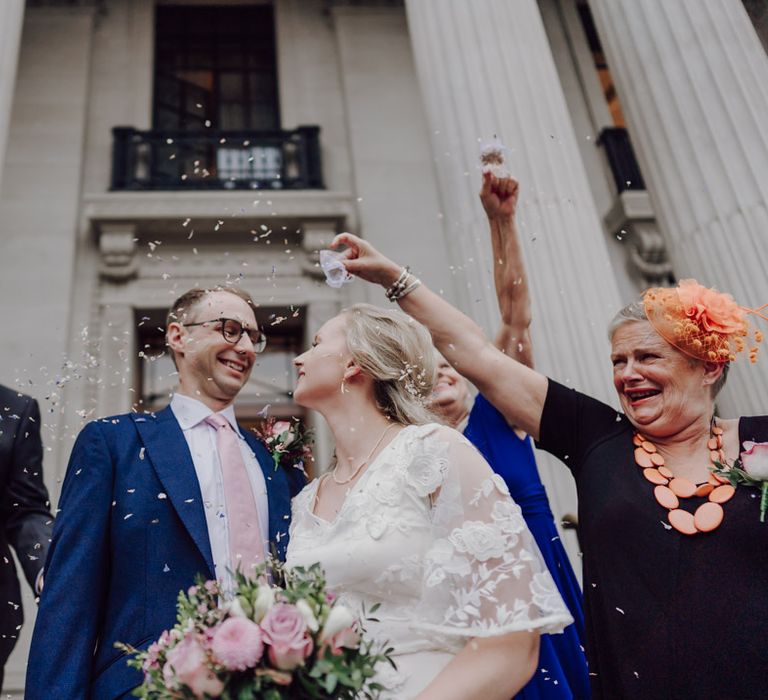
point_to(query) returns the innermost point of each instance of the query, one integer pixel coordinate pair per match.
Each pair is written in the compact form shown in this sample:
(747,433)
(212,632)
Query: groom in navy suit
(147,504)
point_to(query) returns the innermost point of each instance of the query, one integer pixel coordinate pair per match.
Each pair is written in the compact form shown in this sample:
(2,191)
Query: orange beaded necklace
(669,489)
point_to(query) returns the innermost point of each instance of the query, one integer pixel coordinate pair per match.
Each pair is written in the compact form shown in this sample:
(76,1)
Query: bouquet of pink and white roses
(267,641)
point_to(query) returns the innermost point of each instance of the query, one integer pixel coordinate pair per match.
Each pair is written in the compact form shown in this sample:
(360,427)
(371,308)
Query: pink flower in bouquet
(150,662)
(187,662)
(285,630)
(340,630)
(237,644)
(754,460)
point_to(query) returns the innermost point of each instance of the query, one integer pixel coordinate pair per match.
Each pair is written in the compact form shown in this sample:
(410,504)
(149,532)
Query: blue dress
(562,670)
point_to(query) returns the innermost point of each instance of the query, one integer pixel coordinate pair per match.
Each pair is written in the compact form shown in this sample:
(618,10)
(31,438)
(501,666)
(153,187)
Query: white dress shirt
(201,439)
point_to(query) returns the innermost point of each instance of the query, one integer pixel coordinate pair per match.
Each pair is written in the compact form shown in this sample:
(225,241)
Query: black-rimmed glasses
(232,330)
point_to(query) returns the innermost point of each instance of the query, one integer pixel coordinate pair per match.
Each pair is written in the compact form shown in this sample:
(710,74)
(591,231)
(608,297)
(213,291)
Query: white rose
(482,540)
(338,619)
(425,473)
(236,608)
(265,599)
(306,612)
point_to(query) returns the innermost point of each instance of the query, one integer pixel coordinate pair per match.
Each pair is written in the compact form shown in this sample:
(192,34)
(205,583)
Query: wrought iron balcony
(621,158)
(229,160)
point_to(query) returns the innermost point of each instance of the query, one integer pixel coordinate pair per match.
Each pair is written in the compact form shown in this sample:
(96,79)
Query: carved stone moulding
(632,220)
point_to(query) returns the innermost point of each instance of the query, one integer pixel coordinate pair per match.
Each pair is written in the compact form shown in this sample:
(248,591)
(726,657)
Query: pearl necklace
(341,482)
(670,489)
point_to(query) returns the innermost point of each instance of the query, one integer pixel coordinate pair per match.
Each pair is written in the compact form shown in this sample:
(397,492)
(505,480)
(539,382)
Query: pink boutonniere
(750,469)
(288,442)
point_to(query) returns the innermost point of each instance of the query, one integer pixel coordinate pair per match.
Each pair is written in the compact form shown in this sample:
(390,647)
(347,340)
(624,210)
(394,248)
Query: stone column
(692,77)
(11,19)
(485,67)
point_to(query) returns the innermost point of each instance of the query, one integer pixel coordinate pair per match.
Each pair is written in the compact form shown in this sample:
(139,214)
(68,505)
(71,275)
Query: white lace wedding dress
(430,533)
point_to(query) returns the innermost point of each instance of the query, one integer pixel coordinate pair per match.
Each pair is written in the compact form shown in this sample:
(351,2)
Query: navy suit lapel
(278,495)
(168,452)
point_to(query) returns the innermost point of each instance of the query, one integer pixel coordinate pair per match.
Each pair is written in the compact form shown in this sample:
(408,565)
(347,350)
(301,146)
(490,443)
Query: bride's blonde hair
(397,352)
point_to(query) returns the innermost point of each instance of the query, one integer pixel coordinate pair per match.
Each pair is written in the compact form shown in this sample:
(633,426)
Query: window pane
(222,58)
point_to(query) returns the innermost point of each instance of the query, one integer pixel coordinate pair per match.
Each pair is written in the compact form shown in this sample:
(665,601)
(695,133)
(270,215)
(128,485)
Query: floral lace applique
(426,465)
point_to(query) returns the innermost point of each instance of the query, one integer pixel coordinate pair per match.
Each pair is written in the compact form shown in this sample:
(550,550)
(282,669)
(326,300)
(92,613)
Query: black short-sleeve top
(667,615)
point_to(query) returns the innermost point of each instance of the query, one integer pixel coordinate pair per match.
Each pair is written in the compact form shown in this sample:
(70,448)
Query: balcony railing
(229,160)
(621,158)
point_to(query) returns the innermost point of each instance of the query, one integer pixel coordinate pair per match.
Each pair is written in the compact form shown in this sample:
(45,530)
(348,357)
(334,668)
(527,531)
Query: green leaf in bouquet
(330,683)
(246,693)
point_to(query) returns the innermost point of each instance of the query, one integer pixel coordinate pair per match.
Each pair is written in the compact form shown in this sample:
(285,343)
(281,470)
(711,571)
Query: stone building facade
(148,146)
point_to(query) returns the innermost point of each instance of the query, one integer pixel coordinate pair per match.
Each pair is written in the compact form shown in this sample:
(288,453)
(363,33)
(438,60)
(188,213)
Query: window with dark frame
(215,67)
(216,115)
(614,140)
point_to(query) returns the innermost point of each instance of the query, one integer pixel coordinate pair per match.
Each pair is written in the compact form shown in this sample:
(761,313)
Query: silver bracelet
(398,285)
(414,284)
(408,285)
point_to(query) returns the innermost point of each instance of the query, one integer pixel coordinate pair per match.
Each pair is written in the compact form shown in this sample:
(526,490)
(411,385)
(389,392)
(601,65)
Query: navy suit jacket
(130,534)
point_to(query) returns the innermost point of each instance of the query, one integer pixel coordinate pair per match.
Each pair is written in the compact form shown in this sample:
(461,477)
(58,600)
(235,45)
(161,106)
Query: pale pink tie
(246,545)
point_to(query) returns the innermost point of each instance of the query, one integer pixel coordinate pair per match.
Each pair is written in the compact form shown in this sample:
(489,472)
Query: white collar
(190,412)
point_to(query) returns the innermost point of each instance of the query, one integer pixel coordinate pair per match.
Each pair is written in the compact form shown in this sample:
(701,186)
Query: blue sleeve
(76,576)
(476,431)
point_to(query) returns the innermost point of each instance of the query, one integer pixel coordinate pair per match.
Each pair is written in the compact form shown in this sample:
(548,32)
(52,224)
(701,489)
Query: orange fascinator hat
(701,322)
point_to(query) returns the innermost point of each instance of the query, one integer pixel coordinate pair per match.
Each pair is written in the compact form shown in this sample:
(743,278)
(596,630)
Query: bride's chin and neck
(352,414)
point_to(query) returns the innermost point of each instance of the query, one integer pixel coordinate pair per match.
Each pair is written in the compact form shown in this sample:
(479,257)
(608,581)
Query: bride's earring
(343,387)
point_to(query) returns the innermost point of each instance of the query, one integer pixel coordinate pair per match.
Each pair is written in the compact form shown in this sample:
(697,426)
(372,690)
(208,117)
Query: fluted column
(11,19)
(485,68)
(692,77)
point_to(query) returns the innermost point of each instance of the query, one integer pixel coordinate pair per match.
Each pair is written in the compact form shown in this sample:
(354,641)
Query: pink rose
(281,426)
(754,460)
(237,644)
(187,662)
(715,311)
(284,433)
(285,630)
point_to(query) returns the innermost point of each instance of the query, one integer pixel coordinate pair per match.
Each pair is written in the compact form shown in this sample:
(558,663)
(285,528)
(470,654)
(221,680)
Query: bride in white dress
(412,517)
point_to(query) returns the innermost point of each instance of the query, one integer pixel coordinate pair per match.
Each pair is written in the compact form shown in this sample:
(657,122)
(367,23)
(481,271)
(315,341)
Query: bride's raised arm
(516,390)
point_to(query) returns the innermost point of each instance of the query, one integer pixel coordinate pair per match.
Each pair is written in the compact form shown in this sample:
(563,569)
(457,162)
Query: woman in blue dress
(562,670)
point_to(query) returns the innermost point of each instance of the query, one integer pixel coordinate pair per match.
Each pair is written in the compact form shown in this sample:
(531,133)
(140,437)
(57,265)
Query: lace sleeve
(483,573)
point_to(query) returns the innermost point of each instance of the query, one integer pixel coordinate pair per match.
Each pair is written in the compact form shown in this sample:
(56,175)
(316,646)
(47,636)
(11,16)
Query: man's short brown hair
(186,303)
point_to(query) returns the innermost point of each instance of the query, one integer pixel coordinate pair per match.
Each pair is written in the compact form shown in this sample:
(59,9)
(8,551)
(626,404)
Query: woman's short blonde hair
(397,352)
